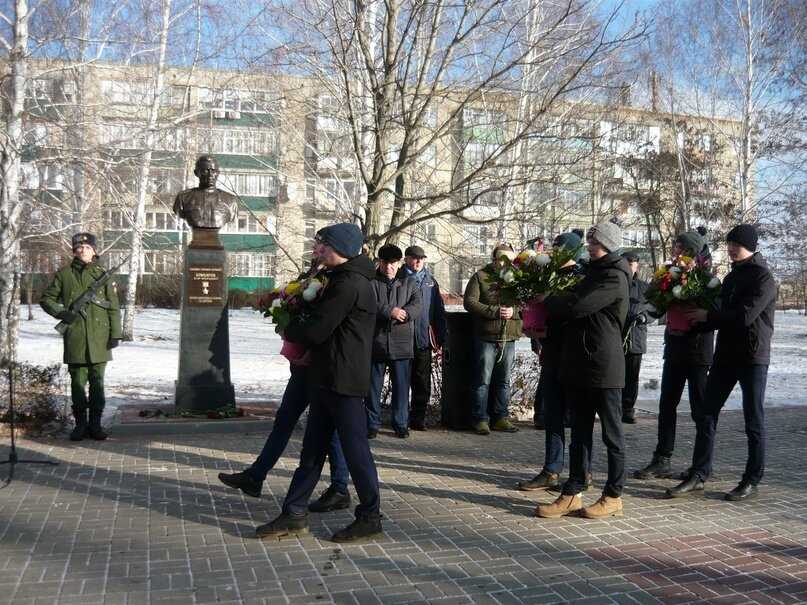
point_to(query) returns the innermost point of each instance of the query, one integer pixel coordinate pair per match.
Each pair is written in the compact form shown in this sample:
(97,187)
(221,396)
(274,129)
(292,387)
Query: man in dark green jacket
(90,335)
(497,327)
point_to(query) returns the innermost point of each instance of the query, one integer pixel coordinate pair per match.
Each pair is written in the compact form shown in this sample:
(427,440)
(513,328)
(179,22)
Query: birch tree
(427,94)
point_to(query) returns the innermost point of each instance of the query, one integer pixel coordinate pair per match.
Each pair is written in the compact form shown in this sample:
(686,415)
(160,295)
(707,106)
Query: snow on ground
(145,370)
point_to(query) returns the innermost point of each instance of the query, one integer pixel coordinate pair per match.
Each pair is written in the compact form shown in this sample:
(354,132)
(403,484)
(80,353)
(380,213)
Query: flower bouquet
(521,278)
(683,284)
(290,302)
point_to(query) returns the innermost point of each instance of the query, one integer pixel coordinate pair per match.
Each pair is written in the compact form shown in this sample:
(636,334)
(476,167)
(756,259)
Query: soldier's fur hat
(85,238)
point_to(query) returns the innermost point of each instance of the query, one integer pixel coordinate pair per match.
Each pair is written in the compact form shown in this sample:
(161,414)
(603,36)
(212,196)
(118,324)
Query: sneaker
(659,468)
(361,529)
(283,525)
(564,505)
(482,428)
(606,506)
(329,500)
(242,481)
(542,480)
(372,433)
(505,426)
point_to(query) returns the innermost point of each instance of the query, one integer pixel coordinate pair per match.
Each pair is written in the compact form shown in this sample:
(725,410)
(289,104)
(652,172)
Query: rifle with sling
(89,296)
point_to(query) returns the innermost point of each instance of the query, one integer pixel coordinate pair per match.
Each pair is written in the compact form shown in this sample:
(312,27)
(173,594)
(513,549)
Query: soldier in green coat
(91,333)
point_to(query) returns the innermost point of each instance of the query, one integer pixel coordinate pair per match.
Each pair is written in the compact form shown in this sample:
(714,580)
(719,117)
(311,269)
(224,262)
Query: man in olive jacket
(398,309)
(593,371)
(497,327)
(744,323)
(90,335)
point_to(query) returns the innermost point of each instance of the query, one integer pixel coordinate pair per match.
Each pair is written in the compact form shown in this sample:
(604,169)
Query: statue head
(207,171)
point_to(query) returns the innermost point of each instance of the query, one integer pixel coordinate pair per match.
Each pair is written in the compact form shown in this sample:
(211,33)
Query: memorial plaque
(205,286)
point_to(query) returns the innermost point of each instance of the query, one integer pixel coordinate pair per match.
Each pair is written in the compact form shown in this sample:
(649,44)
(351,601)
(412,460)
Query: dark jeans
(673,377)
(538,406)
(556,418)
(80,375)
(399,381)
(490,391)
(607,403)
(421,384)
(295,399)
(722,379)
(633,364)
(347,416)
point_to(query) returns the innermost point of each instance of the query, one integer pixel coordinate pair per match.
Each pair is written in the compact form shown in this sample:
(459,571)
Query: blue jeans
(346,416)
(400,370)
(490,391)
(722,379)
(295,399)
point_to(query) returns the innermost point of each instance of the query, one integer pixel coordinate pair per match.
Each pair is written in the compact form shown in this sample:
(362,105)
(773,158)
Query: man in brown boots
(593,371)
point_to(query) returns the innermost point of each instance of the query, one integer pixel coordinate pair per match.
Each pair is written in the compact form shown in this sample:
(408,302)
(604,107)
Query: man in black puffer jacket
(398,303)
(593,371)
(339,333)
(744,323)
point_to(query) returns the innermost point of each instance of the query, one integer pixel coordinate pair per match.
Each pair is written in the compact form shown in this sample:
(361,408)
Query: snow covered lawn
(145,370)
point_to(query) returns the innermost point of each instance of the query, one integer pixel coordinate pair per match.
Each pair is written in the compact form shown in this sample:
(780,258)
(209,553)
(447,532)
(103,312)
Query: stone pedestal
(204,336)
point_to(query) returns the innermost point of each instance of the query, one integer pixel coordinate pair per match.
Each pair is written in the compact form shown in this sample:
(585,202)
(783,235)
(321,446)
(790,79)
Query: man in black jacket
(687,357)
(744,323)
(339,333)
(398,309)
(635,338)
(593,371)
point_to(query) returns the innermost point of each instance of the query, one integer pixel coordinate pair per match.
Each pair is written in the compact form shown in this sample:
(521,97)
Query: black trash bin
(455,399)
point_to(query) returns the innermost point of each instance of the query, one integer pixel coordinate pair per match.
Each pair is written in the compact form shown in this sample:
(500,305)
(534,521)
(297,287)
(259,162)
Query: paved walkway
(134,520)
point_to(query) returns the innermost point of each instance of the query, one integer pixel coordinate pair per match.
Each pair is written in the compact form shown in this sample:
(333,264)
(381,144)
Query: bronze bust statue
(205,207)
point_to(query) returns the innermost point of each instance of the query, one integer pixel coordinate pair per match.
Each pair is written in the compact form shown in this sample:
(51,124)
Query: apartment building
(285,150)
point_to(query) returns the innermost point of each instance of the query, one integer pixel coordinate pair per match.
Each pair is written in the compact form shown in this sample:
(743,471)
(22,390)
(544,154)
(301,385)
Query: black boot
(242,481)
(743,491)
(629,416)
(542,480)
(94,429)
(329,500)
(690,486)
(78,433)
(361,528)
(283,525)
(659,468)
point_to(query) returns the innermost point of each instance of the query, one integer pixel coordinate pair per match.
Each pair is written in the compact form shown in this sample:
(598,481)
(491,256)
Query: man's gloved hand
(641,320)
(112,343)
(67,316)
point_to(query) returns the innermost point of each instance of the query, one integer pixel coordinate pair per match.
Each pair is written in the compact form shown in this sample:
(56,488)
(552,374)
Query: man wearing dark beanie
(339,334)
(744,323)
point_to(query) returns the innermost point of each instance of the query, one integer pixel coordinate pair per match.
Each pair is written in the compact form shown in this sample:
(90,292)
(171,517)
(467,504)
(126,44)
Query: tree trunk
(10,208)
(143,178)
(29,294)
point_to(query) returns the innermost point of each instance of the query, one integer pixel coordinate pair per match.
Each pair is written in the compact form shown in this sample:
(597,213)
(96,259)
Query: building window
(251,264)
(140,92)
(252,101)
(239,141)
(250,184)
(160,262)
(116,219)
(477,238)
(161,221)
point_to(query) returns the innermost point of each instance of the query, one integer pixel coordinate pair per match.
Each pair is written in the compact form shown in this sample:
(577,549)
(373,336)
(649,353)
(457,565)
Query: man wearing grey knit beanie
(593,371)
